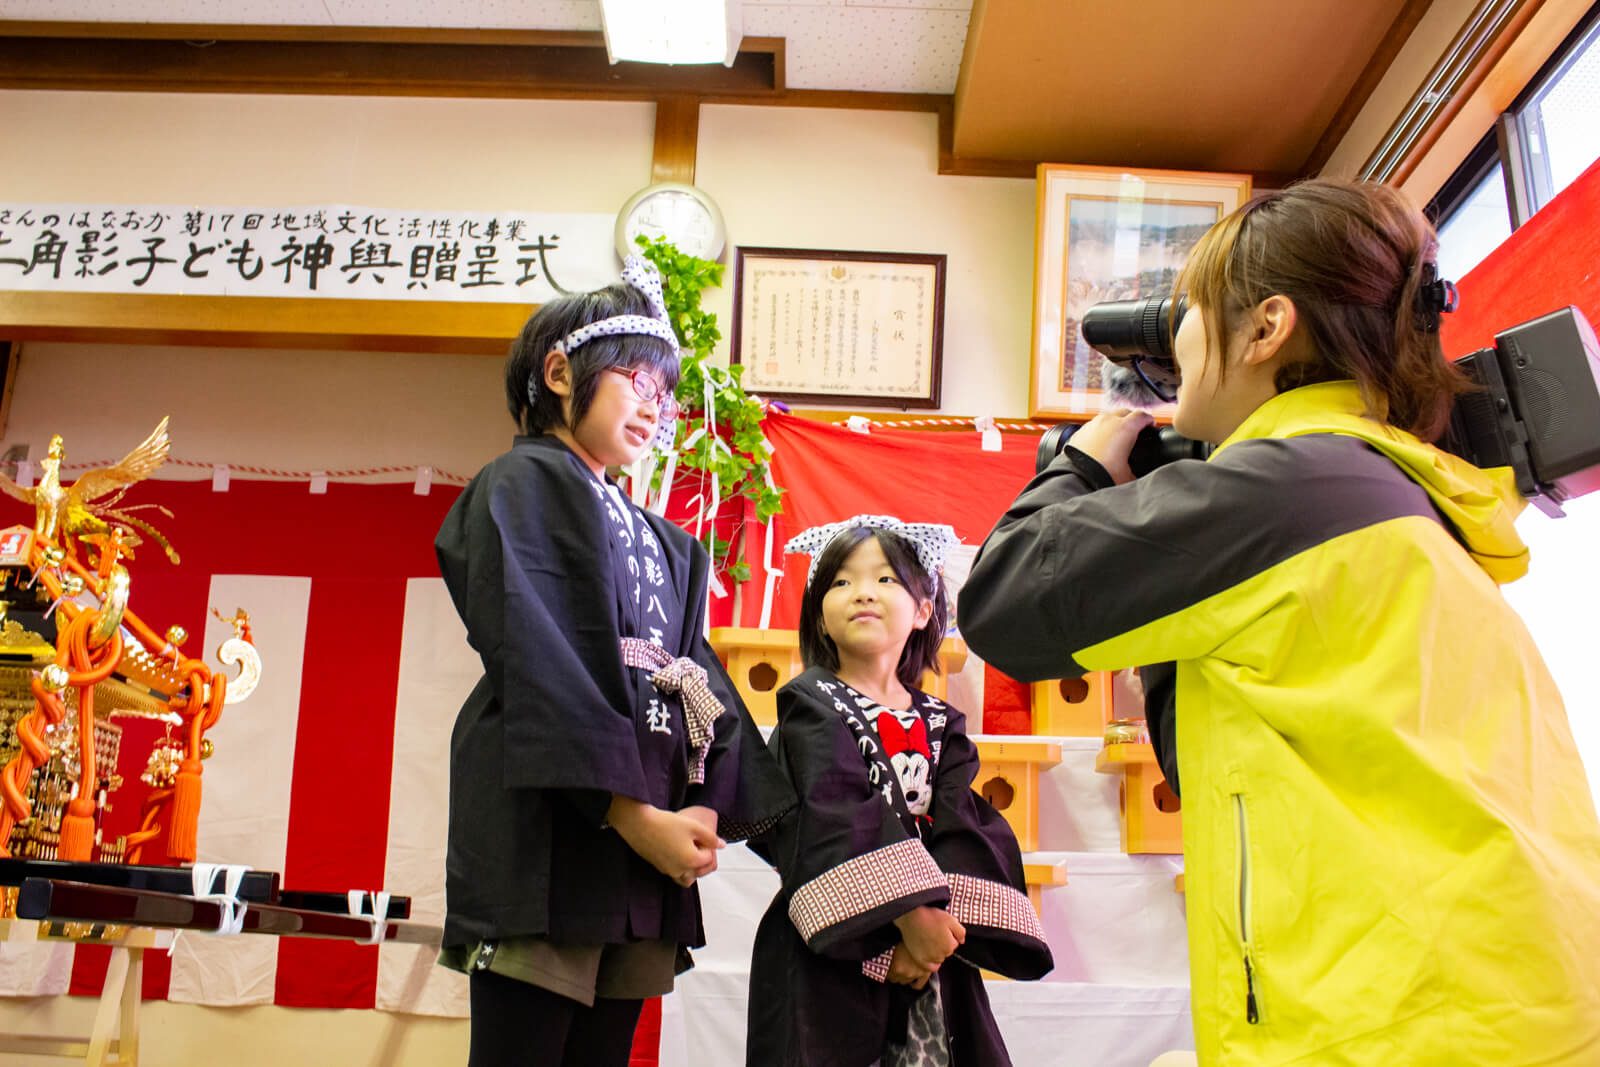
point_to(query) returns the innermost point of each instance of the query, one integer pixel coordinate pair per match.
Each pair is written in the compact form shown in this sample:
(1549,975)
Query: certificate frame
(840,327)
(1108,233)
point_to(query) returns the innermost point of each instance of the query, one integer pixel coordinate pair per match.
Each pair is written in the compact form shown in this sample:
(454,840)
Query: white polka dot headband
(643,276)
(930,540)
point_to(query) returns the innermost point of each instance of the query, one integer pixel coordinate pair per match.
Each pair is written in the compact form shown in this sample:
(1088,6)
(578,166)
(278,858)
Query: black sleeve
(743,783)
(974,846)
(1078,577)
(520,554)
(1160,682)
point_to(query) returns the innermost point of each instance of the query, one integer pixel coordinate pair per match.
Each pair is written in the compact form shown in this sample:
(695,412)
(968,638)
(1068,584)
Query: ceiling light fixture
(672,31)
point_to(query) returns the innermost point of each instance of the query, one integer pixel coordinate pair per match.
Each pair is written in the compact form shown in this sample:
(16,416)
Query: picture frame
(1108,233)
(840,328)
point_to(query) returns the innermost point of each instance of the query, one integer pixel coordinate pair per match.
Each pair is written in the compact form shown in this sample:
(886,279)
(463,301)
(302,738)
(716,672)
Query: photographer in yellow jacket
(1392,855)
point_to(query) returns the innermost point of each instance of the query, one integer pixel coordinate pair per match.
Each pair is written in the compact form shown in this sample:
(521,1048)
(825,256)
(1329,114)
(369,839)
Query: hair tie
(1435,297)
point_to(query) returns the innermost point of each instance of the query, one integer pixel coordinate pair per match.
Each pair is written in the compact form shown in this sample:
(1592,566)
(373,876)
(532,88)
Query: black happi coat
(852,863)
(549,575)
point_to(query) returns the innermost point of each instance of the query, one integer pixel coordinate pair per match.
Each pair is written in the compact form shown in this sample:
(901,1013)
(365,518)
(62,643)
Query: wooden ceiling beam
(464,327)
(405,63)
(677,139)
(201,32)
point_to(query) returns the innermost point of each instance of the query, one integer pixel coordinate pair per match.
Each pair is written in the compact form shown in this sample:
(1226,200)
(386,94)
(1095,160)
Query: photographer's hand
(1108,438)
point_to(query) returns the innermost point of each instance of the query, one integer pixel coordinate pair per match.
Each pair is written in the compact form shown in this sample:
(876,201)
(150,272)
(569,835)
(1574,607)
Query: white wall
(1558,600)
(868,180)
(393,152)
(791,177)
(299,411)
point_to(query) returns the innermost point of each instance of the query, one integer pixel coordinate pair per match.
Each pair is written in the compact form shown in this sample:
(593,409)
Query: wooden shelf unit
(1151,821)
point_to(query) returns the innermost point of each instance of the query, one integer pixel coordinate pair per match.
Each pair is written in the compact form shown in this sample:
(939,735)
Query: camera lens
(1125,329)
(1051,444)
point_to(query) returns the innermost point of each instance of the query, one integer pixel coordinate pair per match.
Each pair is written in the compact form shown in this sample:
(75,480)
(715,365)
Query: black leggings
(515,1023)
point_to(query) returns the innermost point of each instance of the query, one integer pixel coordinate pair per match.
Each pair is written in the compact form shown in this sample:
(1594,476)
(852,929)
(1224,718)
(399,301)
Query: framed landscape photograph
(847,328)
(1108,233)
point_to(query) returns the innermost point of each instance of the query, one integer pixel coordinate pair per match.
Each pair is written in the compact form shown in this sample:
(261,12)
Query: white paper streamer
(660,505)
(639,477)
(772,573)
(989,432)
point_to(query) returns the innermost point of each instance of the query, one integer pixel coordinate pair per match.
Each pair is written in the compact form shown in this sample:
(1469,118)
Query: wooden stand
(952,657)
(1042,876)
(119,999)
(1008,778)
(1150,818)
(761,662)
(1073,707)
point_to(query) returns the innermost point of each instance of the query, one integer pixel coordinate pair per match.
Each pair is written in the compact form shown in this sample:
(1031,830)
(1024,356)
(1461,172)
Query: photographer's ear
(1271,324)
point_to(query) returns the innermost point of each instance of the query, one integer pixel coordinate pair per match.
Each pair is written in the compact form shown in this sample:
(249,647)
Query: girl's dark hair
(1350,256)
(551,324)
(922,647)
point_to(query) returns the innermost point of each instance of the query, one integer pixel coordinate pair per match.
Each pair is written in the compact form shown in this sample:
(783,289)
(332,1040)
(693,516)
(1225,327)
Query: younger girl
(899,881)
(592,764)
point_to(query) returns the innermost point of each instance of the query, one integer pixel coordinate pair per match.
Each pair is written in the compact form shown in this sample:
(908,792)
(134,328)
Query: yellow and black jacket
(1392,854)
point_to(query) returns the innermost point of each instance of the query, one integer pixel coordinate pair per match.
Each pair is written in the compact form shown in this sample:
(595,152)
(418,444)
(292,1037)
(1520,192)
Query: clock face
(681,214)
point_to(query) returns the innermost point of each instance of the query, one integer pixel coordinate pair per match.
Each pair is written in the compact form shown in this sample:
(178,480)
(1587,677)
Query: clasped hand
(680,844)
(927,938)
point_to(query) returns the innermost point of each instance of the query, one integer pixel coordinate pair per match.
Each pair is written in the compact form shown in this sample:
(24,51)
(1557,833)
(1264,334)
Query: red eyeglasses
(647,388)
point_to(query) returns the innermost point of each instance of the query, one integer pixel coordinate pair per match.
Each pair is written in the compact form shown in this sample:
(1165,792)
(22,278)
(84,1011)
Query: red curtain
(1553,260)
(830,473)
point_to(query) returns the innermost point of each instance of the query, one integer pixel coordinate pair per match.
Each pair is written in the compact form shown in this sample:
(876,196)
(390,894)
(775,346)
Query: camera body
(1536,408)
(1155,446)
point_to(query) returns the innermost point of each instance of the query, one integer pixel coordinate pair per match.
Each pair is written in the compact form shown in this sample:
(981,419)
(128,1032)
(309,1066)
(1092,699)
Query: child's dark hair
(922,647)
(551,324)
(1350,255)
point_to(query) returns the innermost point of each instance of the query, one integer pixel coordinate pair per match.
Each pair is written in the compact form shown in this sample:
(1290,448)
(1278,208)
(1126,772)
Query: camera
(1155,446)
(1536,408)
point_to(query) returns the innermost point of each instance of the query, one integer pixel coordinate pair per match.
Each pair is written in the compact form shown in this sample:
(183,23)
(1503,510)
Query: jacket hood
(1479,505)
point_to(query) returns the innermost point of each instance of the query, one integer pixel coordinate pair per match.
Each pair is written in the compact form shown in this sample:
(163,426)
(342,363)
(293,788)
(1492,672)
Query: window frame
(1504,144)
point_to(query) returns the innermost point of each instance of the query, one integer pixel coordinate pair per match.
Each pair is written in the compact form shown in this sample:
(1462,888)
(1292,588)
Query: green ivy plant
(742,460)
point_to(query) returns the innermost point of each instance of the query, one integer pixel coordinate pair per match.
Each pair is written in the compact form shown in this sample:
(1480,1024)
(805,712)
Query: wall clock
(681,213)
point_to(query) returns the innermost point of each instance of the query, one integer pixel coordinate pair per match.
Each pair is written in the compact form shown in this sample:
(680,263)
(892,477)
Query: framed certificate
(857,328)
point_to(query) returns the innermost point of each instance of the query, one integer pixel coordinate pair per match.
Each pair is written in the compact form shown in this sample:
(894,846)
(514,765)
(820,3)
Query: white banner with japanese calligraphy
(335,250)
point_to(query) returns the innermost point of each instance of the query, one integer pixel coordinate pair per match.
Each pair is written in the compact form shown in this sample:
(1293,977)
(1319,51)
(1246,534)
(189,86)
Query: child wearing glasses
(604,757)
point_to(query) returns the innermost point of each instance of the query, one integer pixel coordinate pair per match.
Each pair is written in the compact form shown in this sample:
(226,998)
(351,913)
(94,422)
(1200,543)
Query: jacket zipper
(1251,1012)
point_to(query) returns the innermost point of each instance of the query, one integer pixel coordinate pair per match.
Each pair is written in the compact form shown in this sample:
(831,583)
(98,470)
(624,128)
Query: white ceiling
(885,46)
